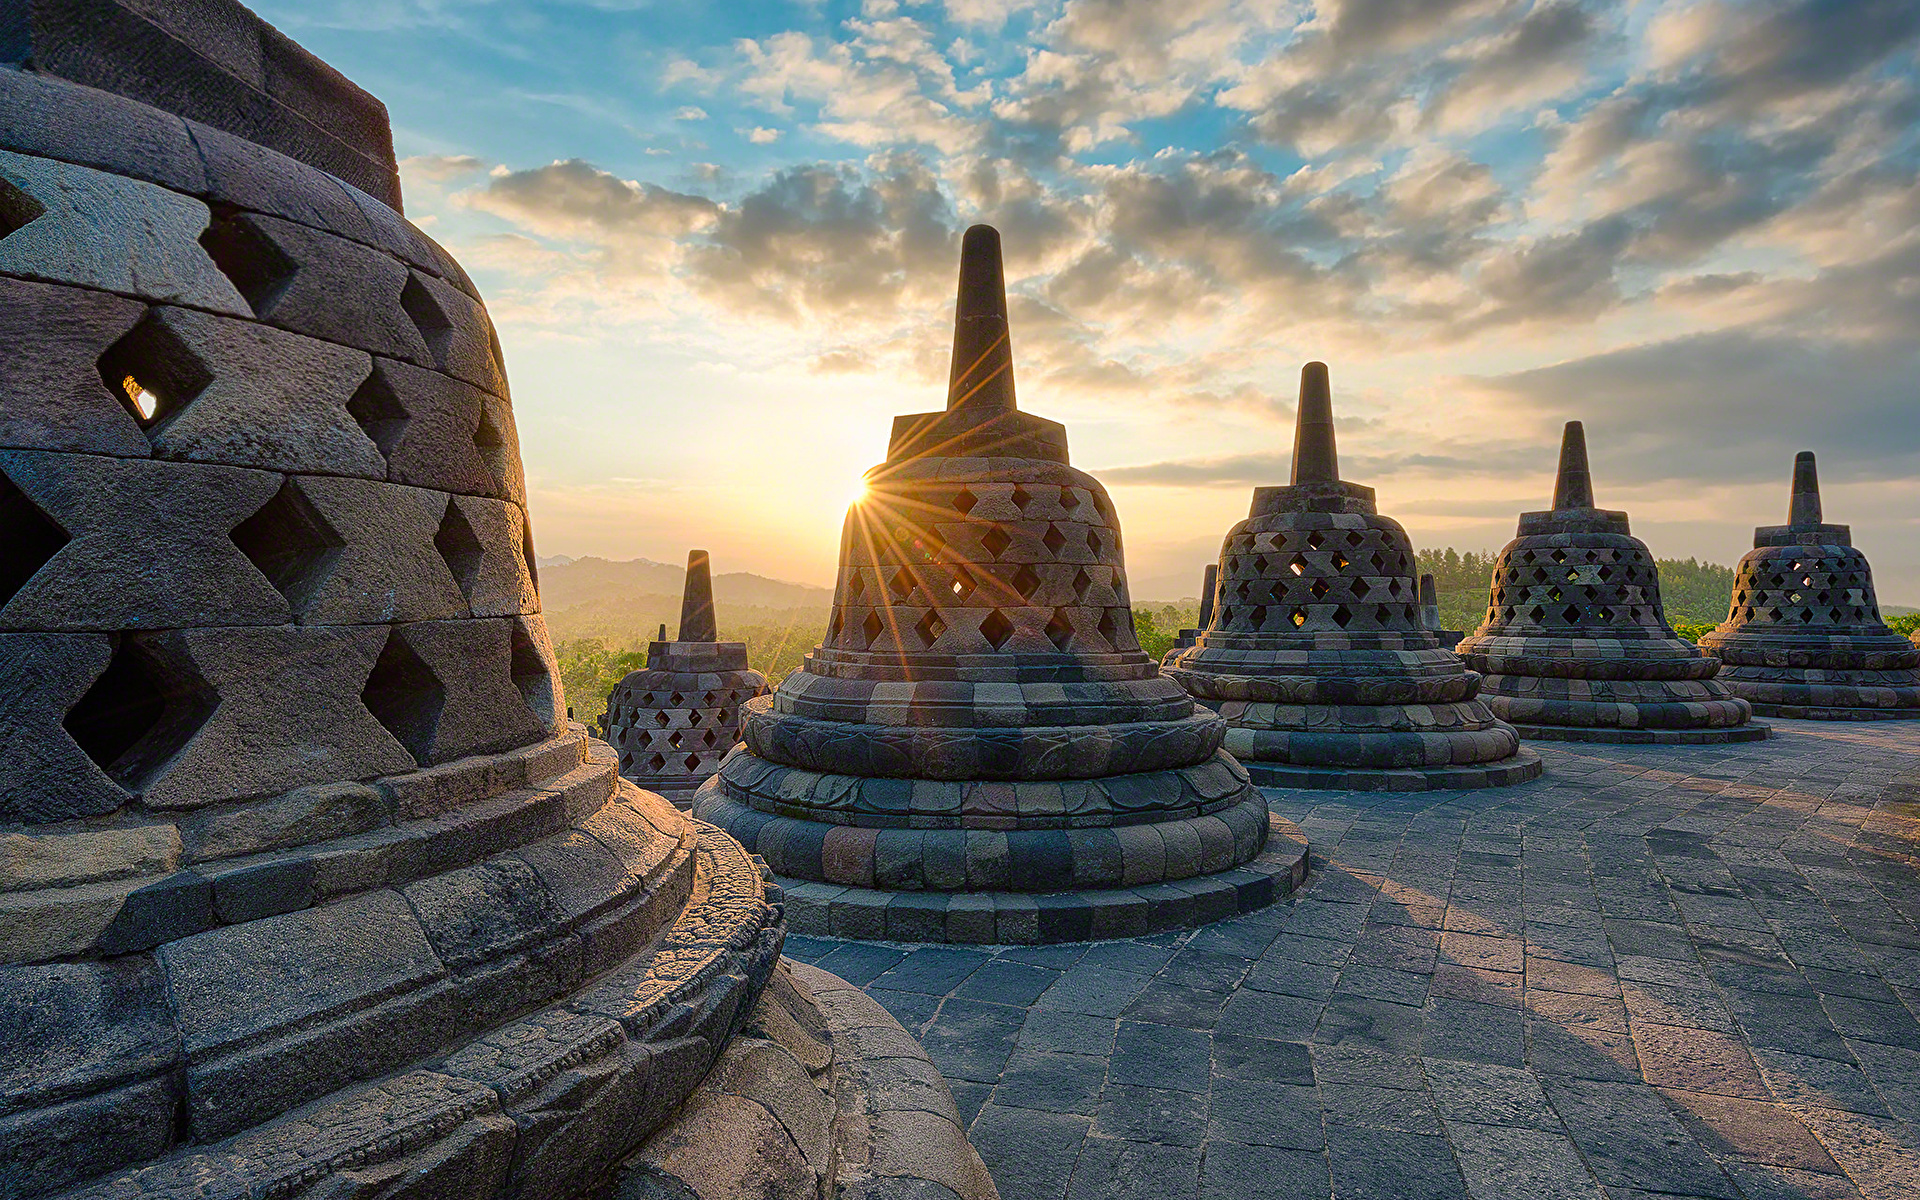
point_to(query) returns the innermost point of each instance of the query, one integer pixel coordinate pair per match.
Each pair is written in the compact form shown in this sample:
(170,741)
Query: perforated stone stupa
(1318,656)
(306,886)
(1430,614)
(673,722)
(1803,635)
(980,751)
(1575,645)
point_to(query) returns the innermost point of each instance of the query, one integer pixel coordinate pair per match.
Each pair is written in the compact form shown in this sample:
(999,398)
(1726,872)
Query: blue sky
(719,241)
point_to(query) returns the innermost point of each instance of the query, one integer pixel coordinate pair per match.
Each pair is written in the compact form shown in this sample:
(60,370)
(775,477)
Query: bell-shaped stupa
(1318,655)
(1187,637)
(1803,636)
(980,751)
(673,722)
(307,887)
(1575,646)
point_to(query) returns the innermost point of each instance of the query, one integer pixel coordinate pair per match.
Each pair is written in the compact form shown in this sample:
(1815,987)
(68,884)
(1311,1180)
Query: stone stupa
(980,751)
(1575,645)
(307,887)
(1430,614)
(1803,636)
(1318,656)
(1187,637)
(673,722)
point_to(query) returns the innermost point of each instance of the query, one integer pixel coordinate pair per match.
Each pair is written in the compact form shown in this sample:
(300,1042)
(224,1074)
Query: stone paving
(1687,971)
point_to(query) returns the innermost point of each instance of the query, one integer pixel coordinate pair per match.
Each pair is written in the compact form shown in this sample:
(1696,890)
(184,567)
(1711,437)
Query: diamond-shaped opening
(1570,614)
(377,410)
(964,584)
(428,317)
(1537,614)
(1069,500)
(856,587)
(491,441)
(531,674)
(1355,537)
(1360,589)
(996,541)
(1554,594)
(1558,556)
(1297,564)
(1382,614)
(1806,615)
(709,737)
(153,374)
(901,585)
(1054,539)
(673,739)
(657,762)
(1060,630)
(526,553)
(257,267)
(996,629)
(676,700)
(1026,581)
(1298,616)
(660,718)
(1093,541)
(1021,497)
(963,501)
(1571,575)
(30,539)
(1606,613)
(1082,584)
(1342,615)
(405,696)
(1314,540)
(930,627)
(1604,573)
(291,543)
(693,762)
(460,546)
(1111,626)
(17,210)
(871,627)
(1319,589)
(138,713)
(1340,562)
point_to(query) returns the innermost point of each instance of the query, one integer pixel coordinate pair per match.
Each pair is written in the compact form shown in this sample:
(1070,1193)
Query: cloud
(690,112)
(760,135)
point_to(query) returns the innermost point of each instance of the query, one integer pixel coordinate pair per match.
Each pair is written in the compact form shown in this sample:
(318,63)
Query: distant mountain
(543,561)
(597,582)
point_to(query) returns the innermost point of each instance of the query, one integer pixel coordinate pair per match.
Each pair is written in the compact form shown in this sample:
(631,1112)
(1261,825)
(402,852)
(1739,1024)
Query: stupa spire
(982,376)
(696,603)
(1314,458)
(1803,510)
(1208,582)
(1573,488)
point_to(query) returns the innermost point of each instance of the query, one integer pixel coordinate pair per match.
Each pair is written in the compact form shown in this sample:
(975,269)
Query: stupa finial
(982,375)
(1803,510)
(1574,486)
(1314,457)
(696,604)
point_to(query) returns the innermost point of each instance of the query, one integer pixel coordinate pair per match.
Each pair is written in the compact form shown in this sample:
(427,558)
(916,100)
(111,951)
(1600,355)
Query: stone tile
(1003,982)
(1110,1169)
(1502,1161)
(1629,1139)
(1030,1153)
(1698,1060)
(1062,1032)
(1160,1056)
(1097,991)
(1266,1114)
(1060,1083)
(1365,1107)
(1171,1004)
(1151,1114)
(1232,1171)
(1727,1127)
(1487,1094)
(934,970)
(971,1040)
(1370,1164)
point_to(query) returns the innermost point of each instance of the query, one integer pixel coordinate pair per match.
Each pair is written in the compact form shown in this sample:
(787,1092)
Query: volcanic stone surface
(1318,655)
(1803,636)
(673,722)
(306,885)
(980,751)
(1575,646)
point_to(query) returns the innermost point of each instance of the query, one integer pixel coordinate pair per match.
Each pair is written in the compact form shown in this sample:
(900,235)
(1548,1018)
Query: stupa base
(1029,918)
(1519,768)
(809,1100)
(1645,737)
(1819,712)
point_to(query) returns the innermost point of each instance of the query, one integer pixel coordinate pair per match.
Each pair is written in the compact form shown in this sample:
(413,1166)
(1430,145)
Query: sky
(719,241)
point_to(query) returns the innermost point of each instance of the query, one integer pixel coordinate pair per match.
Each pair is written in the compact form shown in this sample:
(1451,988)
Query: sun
(857,494)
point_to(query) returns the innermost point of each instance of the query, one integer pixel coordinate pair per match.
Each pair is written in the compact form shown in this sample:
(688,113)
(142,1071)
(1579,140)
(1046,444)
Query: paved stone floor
(1656,971)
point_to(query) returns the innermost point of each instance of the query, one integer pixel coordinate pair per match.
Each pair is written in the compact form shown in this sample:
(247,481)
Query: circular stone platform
(1028,918)
(1749,732)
